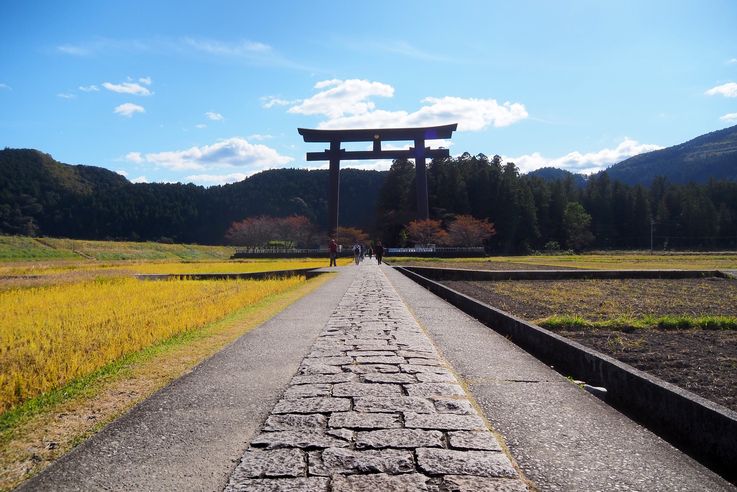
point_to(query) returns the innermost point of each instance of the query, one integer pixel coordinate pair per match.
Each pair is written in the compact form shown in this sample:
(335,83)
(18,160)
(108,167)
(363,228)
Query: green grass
(19,248)
(681,322)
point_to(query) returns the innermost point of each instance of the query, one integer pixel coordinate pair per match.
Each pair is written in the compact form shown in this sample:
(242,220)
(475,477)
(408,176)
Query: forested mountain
(555,174)
(710,156)
(41,196)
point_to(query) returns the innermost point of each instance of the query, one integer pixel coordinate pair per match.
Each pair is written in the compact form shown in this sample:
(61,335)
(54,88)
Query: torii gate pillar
(419,153)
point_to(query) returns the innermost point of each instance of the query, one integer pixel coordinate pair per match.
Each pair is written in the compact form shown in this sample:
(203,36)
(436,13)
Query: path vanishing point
(371,383)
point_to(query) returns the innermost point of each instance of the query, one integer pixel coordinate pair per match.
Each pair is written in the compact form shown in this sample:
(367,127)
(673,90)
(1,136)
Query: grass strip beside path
(680,322)
(43,429)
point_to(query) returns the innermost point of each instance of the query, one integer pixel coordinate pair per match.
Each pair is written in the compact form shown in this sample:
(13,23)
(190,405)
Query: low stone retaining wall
(307,272)
(702,428)
(480,275)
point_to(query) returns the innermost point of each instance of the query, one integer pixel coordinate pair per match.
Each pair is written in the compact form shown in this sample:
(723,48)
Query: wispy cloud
(348,104)
(128,109)
(399,47)
(214,116)
(271,101)
(66,95)
(584,162)
(200,126)
(228,153)
(727,90)
(259,137)
(89,88)
(226,48)
(729,117)
(140,179)
(249,51)
(732,61)
(122,172)
(5,87)
(130,87)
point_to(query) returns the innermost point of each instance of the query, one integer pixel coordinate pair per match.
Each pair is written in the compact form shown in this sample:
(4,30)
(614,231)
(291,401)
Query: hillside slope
(710,156)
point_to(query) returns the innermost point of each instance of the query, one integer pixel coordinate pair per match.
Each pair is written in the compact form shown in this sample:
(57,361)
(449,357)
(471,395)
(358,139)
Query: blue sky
(212,92)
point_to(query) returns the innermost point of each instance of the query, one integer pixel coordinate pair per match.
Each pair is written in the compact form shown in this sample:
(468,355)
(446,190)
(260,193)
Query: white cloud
(729,117)
(342,97)
(200,125)
(216,179)
(134,157)
(128,88)
(586,163)
(122,173)
(231,152)
(140,179)
(89,88)
(214,116)
(347,104)
(727,90)
(145,80)
(66,95)
(732,61)
(5,87)
(128,109)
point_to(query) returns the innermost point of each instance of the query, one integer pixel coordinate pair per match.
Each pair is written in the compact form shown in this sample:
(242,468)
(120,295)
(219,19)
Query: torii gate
(419,153)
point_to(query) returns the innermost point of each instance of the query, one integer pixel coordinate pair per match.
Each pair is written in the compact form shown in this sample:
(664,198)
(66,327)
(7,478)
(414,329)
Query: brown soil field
(701,361)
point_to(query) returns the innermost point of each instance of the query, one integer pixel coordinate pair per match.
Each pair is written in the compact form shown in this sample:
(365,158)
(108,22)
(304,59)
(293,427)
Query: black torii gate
(419,153)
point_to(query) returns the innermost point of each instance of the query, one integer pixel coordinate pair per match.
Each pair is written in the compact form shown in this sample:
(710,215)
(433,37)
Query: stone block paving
(374,408)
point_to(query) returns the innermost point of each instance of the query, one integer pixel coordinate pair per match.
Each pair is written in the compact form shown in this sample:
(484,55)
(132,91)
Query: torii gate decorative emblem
(419,153)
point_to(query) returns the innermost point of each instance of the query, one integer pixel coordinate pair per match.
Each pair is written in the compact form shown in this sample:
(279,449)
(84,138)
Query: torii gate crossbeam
(376,135)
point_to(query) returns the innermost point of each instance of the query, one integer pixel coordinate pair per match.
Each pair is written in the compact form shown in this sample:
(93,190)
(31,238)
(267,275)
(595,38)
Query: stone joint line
(373,407)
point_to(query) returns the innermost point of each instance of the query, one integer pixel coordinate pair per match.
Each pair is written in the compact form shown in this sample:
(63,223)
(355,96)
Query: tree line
(532,213)
(39,196)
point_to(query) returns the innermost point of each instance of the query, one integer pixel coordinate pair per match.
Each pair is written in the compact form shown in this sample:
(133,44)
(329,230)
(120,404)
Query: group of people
(359,252)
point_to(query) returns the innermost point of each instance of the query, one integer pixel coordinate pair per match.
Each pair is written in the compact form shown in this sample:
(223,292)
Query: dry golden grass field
(81,340)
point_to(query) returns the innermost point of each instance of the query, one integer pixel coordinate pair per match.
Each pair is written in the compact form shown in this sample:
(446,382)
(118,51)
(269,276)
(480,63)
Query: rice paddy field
(81,339)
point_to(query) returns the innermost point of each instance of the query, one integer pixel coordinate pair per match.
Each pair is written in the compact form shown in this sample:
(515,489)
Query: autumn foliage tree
(258,232)
(469,231)
(348,236)
(426,232)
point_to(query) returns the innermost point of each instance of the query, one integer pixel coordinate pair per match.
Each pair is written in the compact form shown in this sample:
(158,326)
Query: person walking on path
(357,253)
(379,250)
(333,248)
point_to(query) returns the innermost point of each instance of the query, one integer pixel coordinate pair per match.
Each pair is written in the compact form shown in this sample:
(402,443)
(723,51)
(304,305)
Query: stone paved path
(373,407)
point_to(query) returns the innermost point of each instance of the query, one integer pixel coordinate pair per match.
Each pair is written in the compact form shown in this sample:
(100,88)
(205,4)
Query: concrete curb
(307,272)
(702,428)
(471,275)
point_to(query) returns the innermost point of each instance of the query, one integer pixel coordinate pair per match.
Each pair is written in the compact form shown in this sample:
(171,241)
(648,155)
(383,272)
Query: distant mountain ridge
(709,156)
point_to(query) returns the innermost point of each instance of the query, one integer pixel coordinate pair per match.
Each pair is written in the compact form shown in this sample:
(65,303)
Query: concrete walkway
(345,390)
(373,407)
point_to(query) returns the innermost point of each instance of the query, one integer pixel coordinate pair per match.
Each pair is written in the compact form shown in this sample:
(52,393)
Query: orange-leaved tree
(466,230)
(348,236)
(427,231)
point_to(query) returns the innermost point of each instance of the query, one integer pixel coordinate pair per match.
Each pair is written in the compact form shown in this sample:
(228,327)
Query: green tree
(577,224)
